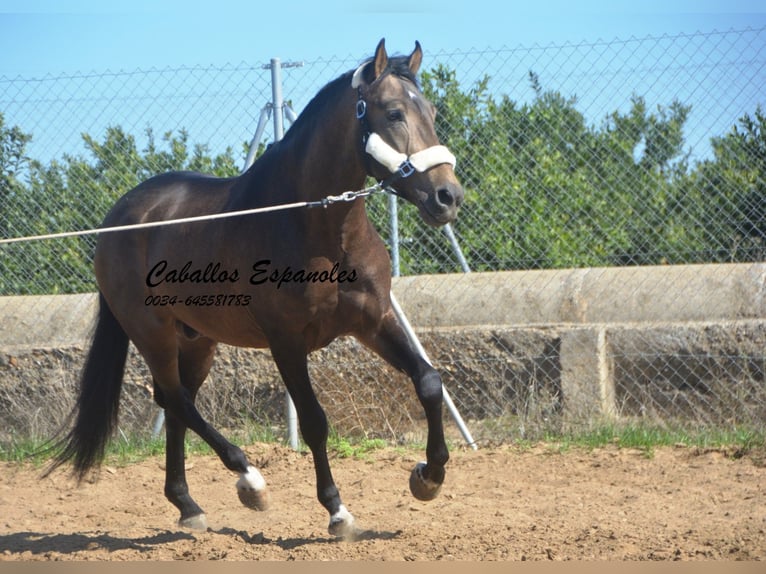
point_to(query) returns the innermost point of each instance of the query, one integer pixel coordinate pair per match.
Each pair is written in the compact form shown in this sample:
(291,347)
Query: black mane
(397,65)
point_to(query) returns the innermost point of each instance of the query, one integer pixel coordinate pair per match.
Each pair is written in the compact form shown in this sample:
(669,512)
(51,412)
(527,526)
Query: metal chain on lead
(347,196)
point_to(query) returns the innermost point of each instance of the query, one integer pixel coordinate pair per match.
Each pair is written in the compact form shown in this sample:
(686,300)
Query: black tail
(98,401)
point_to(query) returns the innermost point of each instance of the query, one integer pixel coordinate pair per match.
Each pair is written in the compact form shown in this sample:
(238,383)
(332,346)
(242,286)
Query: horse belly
(232,325)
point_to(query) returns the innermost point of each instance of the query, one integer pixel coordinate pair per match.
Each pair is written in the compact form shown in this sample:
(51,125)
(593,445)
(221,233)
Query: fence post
(278,109)
(264,117)
(393,225)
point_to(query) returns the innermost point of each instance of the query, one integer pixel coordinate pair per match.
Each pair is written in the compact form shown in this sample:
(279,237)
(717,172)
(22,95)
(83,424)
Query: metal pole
(290,113)
(447,399)
(158,423)
(276,97)
(263,118)
(456,248)
(277,105)
(393,214)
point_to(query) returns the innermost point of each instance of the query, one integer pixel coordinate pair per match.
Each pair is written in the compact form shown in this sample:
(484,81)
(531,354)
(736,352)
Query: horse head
(400,143)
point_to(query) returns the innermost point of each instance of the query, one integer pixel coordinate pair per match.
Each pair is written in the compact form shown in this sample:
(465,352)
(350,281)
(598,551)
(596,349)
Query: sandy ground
(501,503)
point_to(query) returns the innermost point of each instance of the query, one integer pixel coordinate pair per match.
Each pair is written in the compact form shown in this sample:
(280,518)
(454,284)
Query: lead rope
(346,196)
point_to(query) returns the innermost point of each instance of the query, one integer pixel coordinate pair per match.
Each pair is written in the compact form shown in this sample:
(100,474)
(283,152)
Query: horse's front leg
(395,347)
(291,359)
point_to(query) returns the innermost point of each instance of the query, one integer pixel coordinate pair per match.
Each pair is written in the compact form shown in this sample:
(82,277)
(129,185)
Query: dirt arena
(502,503)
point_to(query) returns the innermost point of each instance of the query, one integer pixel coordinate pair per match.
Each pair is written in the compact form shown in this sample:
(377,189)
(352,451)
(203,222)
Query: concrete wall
(46,321)
(577,297)
(612,320)
(663,294)
(590,318)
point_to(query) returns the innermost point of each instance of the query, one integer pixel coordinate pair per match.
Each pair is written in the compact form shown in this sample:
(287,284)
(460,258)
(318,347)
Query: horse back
(171,195)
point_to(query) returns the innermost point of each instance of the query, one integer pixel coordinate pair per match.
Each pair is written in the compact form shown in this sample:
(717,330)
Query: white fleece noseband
(396,161)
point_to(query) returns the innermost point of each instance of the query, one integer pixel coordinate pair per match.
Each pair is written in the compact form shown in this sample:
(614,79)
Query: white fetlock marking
(341,523)
(251,488)
(251,480)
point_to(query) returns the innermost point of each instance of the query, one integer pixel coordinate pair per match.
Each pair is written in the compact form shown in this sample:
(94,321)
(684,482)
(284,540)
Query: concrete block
(587,381)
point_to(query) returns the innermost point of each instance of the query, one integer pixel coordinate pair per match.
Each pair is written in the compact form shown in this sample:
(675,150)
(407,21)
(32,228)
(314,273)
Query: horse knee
(429,388)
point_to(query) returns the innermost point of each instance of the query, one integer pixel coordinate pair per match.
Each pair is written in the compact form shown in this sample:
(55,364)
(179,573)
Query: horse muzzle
(441,207)
(440,204)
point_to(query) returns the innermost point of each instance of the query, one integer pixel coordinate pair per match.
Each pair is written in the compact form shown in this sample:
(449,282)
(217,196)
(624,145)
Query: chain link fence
(615,217)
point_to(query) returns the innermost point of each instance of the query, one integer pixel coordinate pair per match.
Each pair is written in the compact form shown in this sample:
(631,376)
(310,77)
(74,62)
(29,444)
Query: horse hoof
(198,522)
(421,487)
(342,524)
(251,489)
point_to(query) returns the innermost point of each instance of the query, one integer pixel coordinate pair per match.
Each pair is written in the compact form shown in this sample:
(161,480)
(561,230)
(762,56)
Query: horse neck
(319,156)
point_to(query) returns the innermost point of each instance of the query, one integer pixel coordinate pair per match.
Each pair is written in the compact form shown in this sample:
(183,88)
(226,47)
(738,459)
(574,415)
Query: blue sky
(49,37)
(43,39)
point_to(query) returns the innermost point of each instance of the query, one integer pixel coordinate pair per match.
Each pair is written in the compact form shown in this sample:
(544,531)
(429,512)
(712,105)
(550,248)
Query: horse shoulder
(367,296)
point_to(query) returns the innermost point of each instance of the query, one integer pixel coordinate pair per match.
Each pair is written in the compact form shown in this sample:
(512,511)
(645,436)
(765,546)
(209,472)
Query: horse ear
(416,58)
(381,58)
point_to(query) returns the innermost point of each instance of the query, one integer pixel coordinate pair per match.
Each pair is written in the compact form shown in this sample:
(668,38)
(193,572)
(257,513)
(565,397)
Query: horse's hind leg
(176,489)
(194,362)
(178,371)
(394,346)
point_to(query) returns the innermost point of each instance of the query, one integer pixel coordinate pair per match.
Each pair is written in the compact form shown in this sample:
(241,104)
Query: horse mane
(397,65)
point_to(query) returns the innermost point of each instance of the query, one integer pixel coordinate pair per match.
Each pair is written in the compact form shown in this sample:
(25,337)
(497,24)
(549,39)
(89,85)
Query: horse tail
(97,406)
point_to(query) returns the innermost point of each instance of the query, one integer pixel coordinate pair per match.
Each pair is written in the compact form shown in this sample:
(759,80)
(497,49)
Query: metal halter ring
(406,169)
(361,109)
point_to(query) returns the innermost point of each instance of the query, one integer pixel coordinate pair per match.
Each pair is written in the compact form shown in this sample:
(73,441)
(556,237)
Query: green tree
(543,188)
(728,194)
(13,161)
(75,193)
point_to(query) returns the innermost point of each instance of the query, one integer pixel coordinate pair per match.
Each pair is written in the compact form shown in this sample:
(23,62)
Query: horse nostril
(444,197)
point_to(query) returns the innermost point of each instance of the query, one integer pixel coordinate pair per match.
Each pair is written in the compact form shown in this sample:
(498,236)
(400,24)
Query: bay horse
(291,281)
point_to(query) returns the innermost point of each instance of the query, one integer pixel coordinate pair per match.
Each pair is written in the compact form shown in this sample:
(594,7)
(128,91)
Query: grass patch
(736,440)
(124,450)
(128,449)
(30,450)
(648,438)
(345,447)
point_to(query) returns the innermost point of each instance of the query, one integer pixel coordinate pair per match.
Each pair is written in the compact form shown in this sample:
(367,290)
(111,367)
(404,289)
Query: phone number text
(198,300)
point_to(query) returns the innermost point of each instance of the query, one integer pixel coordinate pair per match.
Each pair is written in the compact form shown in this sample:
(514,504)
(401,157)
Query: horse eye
(394,116)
